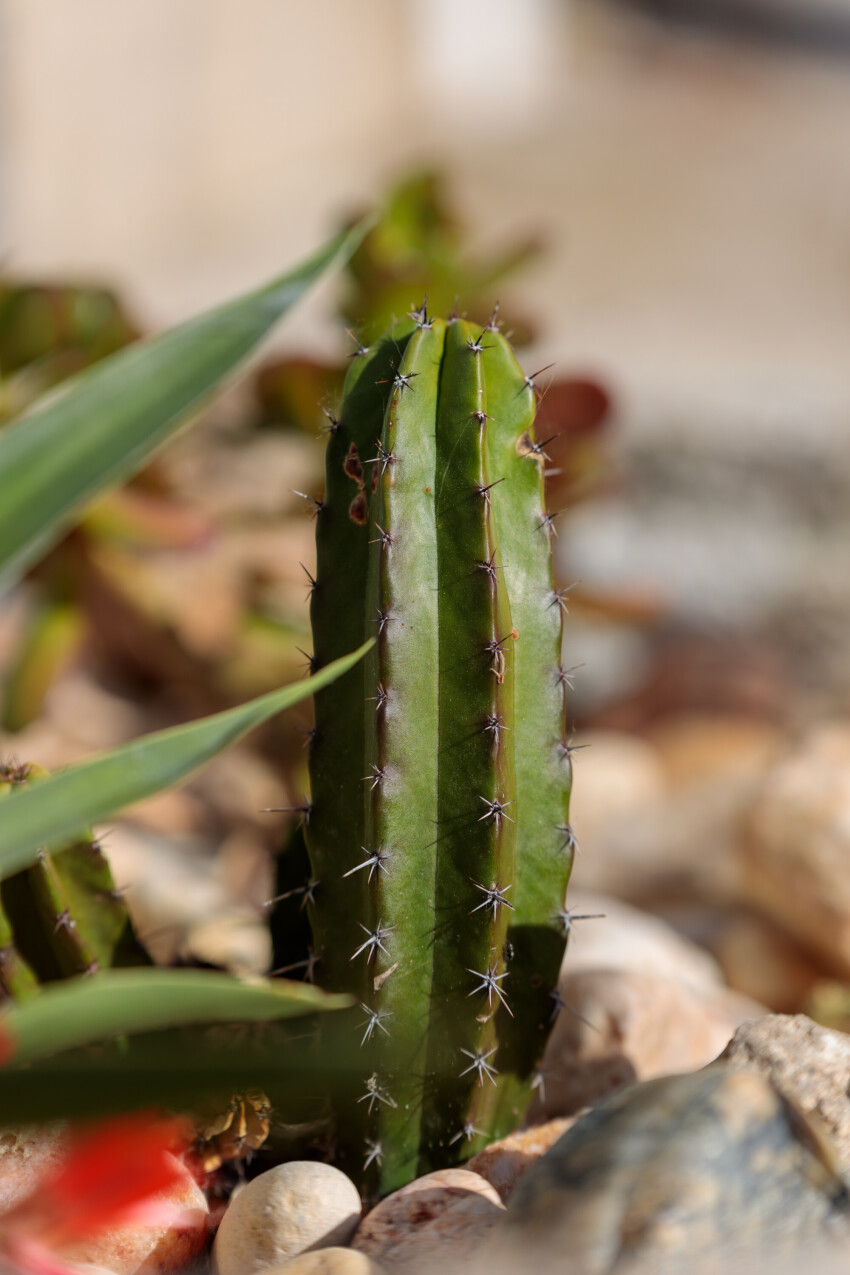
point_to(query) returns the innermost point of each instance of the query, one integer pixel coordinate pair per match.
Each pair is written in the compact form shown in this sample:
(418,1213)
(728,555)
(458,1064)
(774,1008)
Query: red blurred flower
(110,1174)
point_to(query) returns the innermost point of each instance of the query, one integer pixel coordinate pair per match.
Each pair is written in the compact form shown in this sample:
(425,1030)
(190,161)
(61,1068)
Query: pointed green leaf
(51,811)
(114,1002)
(108,420)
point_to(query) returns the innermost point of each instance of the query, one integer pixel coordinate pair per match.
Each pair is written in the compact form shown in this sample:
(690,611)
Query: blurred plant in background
(186,584)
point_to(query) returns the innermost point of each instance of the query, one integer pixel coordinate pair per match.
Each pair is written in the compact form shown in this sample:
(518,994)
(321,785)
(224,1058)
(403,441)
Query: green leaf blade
(117,1002)
(52,811)
(108,420)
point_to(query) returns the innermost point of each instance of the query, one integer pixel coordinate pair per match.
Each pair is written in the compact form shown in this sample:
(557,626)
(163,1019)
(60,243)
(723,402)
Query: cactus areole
(438,826)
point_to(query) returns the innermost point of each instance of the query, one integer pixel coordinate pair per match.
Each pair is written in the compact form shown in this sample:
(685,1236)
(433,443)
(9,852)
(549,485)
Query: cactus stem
(318,505)
(484,491)
(532,448)
(493,723)
(375,1018)
(374,861)
(528,381)
(309,894)
(361,351)
(308,965)
(311,581)
(476,344)
(378,774)
(383,538)
(304,810)
(494,898)
(496,811)
(560,1004)
(400,380)
(468,1132)
(490,984)
(559,597)
(374,941)
(420,317)
(481,1065)
(489,567)
(374,1094)
(312,663)
(334,425)
(381,697)
(566,831)
(383,458)
(383,619)
(567,918)
(374,1153)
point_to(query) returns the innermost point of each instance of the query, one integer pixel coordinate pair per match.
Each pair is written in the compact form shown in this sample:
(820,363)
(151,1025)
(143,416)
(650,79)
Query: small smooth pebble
(443,1215)
(327,1261)
(284,1212)
(504,1162)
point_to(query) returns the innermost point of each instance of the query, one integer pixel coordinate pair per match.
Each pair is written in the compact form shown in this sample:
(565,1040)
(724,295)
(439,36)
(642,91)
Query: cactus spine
(63,916)
(438,829)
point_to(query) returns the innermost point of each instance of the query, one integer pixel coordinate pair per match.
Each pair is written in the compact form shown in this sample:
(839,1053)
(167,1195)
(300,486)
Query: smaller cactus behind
(64,915)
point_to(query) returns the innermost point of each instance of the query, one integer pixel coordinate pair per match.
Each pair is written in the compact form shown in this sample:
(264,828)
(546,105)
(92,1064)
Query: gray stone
(675,1174)
(809,1064)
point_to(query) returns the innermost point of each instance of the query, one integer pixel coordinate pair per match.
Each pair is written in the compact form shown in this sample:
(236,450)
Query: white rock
(284,1212)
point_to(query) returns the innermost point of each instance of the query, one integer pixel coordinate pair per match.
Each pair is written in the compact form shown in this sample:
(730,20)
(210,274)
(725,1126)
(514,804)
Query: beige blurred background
(693,187)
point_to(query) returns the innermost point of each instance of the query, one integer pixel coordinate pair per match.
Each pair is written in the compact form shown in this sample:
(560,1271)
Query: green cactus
(62,916)
(438,827)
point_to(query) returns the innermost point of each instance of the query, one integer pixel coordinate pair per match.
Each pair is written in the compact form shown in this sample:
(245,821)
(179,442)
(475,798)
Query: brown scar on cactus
(352,467)
(358,510)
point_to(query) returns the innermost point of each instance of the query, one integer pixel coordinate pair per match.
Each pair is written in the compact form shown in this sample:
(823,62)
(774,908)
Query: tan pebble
(795,846)
(284,1212)
(440,1214)
(86,1268)
(617,936)
(327,1261)
(637,1026)
(131,1248)
(503,1163)
(27,1154)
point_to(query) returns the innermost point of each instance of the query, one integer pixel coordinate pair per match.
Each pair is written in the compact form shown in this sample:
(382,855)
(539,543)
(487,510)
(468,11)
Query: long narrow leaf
(108,420)
(114,1002)
(182,1068)
(53,810)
